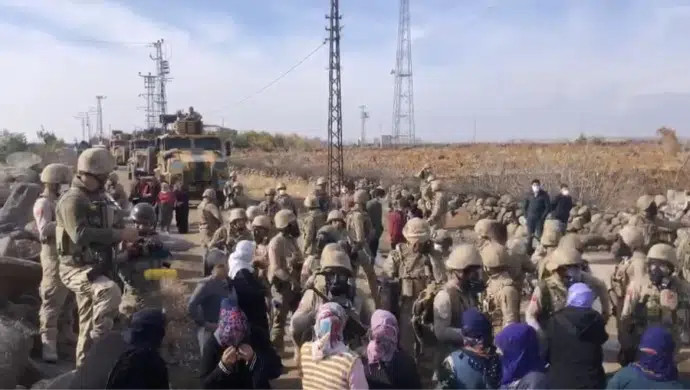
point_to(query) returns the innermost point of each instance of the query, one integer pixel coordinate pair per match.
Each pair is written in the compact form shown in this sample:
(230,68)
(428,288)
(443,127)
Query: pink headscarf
(384,337)
(328,329)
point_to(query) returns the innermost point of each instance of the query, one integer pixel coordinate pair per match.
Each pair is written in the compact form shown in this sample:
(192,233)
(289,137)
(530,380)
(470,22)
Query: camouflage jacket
(269,209)
(284,259)
(285,202)
(414,270)
(359,227)
(501,301)
(313,221)
(224,238)
(652,305)
(210,218)
(439,208)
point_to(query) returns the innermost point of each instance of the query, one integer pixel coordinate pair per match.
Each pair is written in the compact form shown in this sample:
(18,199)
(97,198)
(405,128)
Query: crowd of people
(447,313)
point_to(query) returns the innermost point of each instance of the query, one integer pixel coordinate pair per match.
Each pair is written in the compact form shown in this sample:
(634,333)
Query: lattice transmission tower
(162,72)
(403,98)
(335,117)
(149,95)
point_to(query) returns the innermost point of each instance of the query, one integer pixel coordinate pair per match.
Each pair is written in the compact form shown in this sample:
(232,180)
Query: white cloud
(518,78)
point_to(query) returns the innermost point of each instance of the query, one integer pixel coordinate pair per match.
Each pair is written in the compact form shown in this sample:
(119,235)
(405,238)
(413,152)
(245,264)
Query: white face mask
(535,188)
(438,247)
(565,192)
(282,192)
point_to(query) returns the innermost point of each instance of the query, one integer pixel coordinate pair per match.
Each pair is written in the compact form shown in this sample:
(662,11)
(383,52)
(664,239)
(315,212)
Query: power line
(103,42)
(293,67)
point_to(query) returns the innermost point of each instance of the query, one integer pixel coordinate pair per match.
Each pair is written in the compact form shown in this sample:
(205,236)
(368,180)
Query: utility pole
(474,131)
(162,72)
(82,119)
(99,116)
(150,96)
(88,128)
(335,117)
(364,115)
(403,98)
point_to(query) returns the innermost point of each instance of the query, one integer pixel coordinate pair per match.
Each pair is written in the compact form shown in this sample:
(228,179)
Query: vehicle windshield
(209,143)
(142,144)
(118,142)
(177,143)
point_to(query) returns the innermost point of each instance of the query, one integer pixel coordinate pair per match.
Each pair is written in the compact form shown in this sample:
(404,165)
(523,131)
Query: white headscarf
(241,258)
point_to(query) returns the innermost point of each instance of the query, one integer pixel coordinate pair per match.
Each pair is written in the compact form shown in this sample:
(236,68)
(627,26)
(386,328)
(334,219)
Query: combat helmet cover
(335,215)
(262,221)
(563,256)
(416,230)
(237,214)
(283,218)
(333,256)
(209,193)
(463,256)
(311,202)
(494,255)
(632,236)
(281,186)
(253,212)
(269,192)
(55,174)
(663,252)
(482,227)
(321,181)
(95,161)
(360,197)
(143,213)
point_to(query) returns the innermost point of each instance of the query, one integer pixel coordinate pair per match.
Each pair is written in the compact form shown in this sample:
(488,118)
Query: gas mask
(472,280)
(424,248)
(260,235)
(238,226)
(660,273)
(620,249)
(571,274)
(651,211)
(438,247)
(339,284)
(282,192)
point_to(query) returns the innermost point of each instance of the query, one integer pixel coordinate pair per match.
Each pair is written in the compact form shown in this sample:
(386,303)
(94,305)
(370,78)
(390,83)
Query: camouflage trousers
(97,305)
(284,301)
(57,302)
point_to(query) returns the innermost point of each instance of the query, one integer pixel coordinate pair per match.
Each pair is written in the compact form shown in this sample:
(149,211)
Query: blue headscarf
(520,348)
(476,328)
(656,355)
(146,330)
(580,295)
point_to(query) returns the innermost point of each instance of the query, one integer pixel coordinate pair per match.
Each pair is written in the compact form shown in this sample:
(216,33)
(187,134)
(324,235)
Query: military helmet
(237,214)
(644,202)
(262,221)
(269,192)
(209,193)
(321,181)
(96,161)
(482,227)
(441,235)
(55,174)
(281,186)
(563,256)
(463,256)
(663,252)
(237,184)
(436,185)
(253,212)
(360,196)
(143,213)
(416,230)
(334,257)
(551,233)
(283,218)
(494,255)
(632,236)
(311,202)
(335,215)
(113,177)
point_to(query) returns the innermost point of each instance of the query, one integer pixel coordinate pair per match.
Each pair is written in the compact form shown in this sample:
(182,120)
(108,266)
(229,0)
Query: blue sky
(539,69)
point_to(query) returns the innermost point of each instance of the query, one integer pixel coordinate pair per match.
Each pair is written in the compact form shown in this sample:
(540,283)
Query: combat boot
(49,346)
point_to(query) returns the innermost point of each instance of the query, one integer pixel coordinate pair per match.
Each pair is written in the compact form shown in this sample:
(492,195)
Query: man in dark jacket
(375,211)
(537,207)
(579,330)
(561,206)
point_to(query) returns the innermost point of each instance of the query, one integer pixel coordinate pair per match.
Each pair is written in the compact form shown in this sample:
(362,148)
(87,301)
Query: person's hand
(246,352)
(210,326)
(129,234)
(229,357)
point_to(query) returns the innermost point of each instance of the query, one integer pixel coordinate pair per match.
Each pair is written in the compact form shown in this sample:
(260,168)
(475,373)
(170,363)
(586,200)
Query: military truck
(189,156)
(142,157)
(119,147)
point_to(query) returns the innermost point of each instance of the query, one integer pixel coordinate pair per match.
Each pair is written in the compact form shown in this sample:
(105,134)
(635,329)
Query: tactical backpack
(423,316)
(546,309)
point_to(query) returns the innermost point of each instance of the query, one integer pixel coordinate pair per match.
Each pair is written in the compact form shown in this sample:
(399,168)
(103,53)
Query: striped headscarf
(328,329)
(384,337)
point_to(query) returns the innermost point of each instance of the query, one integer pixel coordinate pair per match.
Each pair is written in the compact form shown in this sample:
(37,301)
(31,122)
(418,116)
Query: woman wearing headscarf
(141,366)
(386,366)
(476,365)
(181,209)
(327,363)
(166,205)
(235,357)
(655,367)
(581,331)
(251,293)
(521,365)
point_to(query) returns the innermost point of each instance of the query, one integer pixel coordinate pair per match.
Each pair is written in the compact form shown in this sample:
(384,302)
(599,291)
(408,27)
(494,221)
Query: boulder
(506,200)
(519,212)
(18,276)
(596,218)
(490,201)
(577,224)
(573,212)
(15,344)
(584,213)
(26,249)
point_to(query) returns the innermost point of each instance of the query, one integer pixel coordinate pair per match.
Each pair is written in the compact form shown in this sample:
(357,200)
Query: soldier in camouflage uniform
(521,267)
(550,294)
(321,193)
(657,297)
(501,300)
(656,229)
(548,242)
(412,265)
(55,297)
(311,224)
(228,235)
(632,260)
(439,206)
(239,199)
(481,229)
(116,190)
(269,206)
(458,294)
(285,264)
(443,242)
(84,239)
(360,231)
(285,201)
(210,217)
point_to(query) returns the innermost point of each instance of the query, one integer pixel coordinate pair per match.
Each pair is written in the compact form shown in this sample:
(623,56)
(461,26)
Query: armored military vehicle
(119,147)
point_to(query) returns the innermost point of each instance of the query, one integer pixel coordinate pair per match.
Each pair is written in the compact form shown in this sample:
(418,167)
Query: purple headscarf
(580,295)
(233,326)
(656,355)
(520,348)
(476,328)
(384,337)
